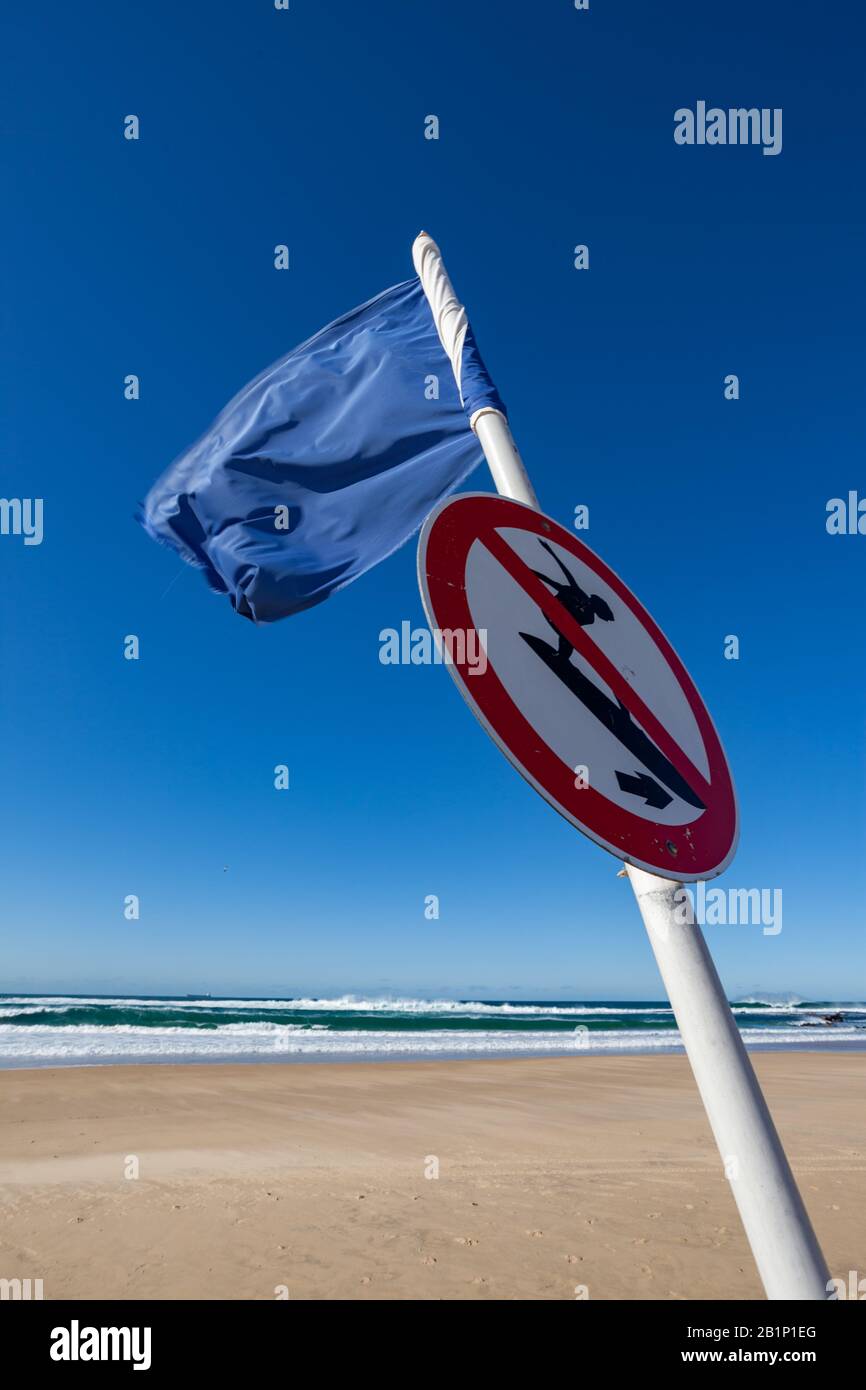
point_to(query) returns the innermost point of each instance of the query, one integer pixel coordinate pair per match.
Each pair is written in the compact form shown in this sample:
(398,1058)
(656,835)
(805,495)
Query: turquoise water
(50,1030)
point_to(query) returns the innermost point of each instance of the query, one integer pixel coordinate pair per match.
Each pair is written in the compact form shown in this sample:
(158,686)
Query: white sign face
(580,689)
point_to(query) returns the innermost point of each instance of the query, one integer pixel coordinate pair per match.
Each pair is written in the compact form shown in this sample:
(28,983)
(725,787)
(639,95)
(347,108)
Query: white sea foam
(342,1004)
(772,1001)
(13,1005)
(41,1044)
(224,1029)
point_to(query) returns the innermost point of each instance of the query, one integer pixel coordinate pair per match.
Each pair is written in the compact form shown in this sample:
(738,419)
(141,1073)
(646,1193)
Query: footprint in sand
(465,1240)
(429,1260)
(535,1234)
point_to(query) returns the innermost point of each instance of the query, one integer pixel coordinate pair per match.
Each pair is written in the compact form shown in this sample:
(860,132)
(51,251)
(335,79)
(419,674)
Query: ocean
(76,1030)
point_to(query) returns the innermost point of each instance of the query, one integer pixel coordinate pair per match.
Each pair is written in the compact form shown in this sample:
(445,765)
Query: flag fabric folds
(327,462)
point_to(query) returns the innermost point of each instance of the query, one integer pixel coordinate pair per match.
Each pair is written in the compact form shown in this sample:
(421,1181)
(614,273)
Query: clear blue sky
(156,257)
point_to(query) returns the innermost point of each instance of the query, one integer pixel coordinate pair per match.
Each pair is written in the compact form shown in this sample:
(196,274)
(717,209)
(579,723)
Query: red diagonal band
(601,664)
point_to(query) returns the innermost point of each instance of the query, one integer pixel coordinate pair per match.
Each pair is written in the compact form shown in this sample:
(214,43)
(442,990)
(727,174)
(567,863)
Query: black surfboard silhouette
(585,608)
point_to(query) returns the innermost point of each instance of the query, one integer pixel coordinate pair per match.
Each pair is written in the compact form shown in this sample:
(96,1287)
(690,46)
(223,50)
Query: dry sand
(587,1171)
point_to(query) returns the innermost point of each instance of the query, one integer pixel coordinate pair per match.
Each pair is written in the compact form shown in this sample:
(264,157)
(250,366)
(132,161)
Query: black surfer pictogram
(584,608)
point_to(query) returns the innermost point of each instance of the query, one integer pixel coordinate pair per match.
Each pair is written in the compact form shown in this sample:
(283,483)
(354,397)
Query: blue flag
(327,462)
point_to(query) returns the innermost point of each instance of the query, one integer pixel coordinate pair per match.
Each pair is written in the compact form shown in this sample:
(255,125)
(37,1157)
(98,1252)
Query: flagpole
(491,426)
(776,1223)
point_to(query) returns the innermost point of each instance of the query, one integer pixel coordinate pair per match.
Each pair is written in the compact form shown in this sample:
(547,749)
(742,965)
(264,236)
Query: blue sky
(155,257)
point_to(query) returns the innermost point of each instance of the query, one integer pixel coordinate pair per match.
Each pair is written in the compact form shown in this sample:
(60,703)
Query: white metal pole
(776,1223)
(777,1226)
(490,425)
(500,451)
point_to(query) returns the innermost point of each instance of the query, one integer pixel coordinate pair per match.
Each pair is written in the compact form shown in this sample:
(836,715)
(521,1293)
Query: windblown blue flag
(327,462)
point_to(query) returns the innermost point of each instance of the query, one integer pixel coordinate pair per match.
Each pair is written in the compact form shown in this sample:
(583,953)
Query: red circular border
(706,845)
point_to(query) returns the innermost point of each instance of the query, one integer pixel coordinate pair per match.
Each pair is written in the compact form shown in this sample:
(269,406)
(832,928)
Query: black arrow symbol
(642,785)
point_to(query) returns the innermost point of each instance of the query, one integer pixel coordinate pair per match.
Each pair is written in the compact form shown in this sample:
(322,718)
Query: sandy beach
(553,1176)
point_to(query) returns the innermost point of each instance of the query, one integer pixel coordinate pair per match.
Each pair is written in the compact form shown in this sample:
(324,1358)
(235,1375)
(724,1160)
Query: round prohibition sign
(577,684)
